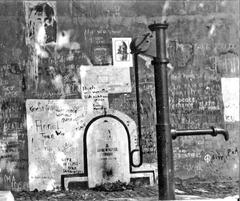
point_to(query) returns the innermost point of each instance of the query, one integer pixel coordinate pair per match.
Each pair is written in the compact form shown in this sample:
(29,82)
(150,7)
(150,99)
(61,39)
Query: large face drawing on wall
(41,22)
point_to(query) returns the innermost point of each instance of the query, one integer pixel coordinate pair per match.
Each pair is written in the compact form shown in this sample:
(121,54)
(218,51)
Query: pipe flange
(157,26)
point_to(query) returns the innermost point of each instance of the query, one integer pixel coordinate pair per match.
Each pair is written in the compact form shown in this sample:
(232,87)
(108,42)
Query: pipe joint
(157,61)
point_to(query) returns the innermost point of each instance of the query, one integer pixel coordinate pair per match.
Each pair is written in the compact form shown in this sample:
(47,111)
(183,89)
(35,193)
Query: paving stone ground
(184,190)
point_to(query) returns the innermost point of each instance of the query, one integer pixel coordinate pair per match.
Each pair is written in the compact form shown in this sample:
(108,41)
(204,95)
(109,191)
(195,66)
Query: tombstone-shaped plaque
(107,152)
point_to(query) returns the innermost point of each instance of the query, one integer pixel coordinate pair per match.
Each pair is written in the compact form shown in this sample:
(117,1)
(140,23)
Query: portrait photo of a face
(121,52)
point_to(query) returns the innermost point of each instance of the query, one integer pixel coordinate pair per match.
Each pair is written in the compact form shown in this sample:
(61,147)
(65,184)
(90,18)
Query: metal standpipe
(163,132)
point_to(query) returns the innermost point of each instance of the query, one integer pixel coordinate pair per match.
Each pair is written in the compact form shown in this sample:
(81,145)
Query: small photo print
(121,52)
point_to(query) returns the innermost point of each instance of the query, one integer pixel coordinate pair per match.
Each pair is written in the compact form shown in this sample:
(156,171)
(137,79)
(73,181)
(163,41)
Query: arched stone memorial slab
(107,152)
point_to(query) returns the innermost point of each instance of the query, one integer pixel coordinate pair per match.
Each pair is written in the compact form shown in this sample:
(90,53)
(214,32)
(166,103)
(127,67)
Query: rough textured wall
(14,147)
(203,47)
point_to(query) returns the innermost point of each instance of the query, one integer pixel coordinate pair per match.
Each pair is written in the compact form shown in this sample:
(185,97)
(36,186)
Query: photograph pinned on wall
(121,52)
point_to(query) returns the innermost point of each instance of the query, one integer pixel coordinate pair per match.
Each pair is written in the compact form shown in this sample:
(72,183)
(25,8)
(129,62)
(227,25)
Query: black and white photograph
(129,100)
(121,52)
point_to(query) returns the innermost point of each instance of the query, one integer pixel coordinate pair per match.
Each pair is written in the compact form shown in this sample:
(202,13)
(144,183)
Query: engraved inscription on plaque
(107,152)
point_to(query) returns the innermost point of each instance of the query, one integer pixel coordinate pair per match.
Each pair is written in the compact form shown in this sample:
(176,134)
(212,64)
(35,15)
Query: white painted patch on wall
(230,93)
(212,30)
(33,172)
(201,5)
(50,185)
(166,6)
(60,157)
(41,35)
(6,196)
(40,51)
(63,39)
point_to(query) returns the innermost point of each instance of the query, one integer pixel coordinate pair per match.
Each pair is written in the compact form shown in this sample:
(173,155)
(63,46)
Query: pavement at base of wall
(183,191)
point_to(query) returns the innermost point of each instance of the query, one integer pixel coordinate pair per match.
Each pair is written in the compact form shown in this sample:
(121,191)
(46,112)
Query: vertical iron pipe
(163,132)
(135,59)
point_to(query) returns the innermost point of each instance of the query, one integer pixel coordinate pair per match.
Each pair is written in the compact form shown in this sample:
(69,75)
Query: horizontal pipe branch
(212,131)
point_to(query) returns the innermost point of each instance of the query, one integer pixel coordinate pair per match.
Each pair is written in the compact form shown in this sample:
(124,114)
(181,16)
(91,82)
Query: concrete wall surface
(65,53)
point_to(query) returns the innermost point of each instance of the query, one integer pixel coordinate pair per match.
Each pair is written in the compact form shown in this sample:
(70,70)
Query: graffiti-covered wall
(79,50)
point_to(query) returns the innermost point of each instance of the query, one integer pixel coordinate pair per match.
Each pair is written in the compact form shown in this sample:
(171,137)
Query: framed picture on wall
(121,52)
